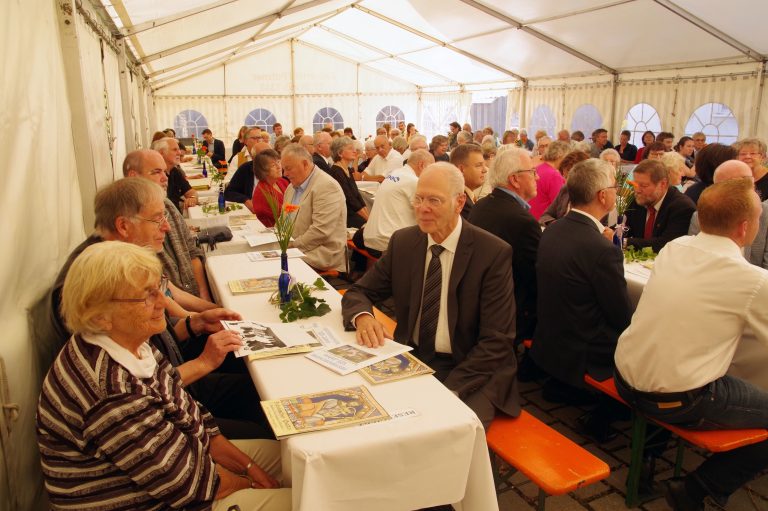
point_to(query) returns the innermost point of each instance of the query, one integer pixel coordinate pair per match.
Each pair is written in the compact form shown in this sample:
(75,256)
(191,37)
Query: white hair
(451,174)
(505,163)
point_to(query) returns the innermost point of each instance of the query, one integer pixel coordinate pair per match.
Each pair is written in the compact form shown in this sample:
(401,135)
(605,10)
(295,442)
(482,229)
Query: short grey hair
(506,162)
(338,145)
(451,174)
(359,147)
(133,161)
(123,198)
(297,151)
(417,139)
(557,149)
(161,145)
(320,135)
(399,144)
(464,137)
(370,144)
(586,178)
(420,155)
(673,161)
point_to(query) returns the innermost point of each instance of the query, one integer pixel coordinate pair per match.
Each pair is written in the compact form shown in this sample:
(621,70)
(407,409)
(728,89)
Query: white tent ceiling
(446,42)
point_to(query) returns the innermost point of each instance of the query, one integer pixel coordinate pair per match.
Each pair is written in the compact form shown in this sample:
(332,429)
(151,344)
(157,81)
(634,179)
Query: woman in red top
(648,139)
(269,179)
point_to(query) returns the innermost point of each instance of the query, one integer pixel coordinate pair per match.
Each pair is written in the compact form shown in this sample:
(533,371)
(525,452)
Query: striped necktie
(430,305)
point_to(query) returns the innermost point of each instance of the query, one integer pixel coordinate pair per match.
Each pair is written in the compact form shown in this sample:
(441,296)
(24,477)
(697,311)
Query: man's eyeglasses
(163,220)
(152,295)
(534,172)
(431,201)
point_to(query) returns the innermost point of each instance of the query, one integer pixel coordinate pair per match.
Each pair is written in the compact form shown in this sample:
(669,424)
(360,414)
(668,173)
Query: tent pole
(131,140)
(359,99)
(614,90)
(76,93)
(758,98)
(143,138)
(523,101)
(293,82)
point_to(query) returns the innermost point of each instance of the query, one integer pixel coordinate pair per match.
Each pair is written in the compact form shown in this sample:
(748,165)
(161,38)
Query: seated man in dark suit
(240,188)
(322,155)
(583,304)
(215,148)
(452,287)
(505,212)
(468,158)
(660,212)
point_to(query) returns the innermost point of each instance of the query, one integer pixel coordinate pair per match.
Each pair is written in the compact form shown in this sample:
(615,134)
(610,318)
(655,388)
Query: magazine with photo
(323,410)
(253,285)
(271,339)
(265,255)
(348,358)
(395,368)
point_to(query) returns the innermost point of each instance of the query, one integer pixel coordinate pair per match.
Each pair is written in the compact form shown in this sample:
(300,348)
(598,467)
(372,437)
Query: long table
(437,456)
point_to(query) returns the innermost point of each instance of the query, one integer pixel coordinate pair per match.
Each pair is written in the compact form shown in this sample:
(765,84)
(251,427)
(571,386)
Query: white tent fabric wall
(43,191)
(586,107)
(543,109)
(118,137)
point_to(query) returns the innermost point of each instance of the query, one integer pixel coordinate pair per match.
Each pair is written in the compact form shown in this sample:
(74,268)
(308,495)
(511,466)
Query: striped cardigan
(109,440)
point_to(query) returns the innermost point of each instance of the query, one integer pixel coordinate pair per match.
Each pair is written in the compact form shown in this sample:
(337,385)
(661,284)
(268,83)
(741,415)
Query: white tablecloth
(636,276)
(437,457)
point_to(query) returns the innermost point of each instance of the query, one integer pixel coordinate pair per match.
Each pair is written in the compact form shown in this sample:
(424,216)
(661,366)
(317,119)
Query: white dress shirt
(383,166)
(701,296)
(392,209)
(442,334)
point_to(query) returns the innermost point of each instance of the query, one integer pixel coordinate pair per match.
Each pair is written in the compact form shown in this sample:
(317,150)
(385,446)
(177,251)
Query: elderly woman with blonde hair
(115,427)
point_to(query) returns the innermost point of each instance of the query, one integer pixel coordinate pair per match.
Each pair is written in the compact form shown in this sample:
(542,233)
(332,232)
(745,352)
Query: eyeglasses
(153,295)
(751,155)
(614,187)
(431,201)
(159,223)
(534,172)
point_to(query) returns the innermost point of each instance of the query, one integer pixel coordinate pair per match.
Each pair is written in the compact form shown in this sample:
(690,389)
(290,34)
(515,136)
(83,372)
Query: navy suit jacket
(240,188)
(672,221)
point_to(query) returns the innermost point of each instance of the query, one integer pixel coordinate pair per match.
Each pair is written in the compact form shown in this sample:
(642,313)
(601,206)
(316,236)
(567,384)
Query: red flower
(291,208)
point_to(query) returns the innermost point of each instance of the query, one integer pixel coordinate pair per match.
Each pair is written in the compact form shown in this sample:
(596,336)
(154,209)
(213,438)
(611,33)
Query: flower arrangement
(285,219)
(625,192)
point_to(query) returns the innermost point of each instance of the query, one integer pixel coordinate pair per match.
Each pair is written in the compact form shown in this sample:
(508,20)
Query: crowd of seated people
(513,237)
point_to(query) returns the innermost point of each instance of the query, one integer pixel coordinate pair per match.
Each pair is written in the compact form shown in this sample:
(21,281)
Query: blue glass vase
(284,281)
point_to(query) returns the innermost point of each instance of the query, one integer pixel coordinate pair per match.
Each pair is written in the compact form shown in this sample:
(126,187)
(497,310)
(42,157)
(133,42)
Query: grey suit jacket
(321,225)
(481,307)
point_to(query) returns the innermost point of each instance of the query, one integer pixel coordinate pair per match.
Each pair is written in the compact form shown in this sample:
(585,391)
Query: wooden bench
(713,441)
(551,461)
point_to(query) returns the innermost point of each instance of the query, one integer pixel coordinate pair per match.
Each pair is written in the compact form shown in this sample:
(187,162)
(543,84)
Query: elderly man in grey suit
(453,293)
(320,228)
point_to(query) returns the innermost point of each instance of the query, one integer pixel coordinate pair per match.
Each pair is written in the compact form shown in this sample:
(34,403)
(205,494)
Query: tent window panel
(389,114)
(542,119)
(716,121)
(189,123)
(262,118)
(327,115)
(586,119)
(489,114)
(641,118)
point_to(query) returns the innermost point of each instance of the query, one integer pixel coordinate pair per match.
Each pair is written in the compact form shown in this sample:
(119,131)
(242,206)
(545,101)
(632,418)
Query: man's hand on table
(209,321)
(370,332)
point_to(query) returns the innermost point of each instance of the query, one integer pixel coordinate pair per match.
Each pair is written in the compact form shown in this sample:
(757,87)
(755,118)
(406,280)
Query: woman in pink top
(550,180)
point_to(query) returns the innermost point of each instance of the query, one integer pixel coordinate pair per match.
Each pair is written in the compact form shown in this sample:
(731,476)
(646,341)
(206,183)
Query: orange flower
(631,182)
(291,208)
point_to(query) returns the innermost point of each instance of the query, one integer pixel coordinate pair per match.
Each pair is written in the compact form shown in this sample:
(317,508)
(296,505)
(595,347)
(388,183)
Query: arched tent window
(716,121)
(327,114)
(260,117)
(586,119)
(542,119)
(641,118)
(189,123)
(390,114)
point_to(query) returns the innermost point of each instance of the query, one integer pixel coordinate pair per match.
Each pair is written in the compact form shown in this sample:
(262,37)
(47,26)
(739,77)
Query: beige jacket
(320,231)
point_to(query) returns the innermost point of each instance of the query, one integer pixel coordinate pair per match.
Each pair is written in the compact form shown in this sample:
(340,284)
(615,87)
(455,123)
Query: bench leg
(639,425)
(501,483)
(542,500)
(679,457)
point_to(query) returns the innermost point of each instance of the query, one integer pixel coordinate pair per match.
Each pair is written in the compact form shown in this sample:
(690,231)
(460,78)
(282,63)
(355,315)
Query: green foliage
(302,304)
(632,254)
(625,192)
(213,208)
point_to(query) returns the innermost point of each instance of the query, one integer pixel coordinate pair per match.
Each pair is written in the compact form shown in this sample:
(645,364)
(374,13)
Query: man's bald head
(259,147)
(146,163)
(732,169)
(308,143)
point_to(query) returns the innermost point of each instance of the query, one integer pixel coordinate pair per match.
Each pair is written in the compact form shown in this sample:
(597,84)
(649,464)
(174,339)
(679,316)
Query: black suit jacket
(672,221)
(218,152)
(320,162)
(500,214)
(481,307)
(582,301)
(240,188)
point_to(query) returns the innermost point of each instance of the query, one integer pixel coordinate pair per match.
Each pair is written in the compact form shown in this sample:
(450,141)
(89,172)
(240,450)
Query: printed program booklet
(395,368)
(254,285)
(265,255)
(348,358)
(263,340)
(323,410)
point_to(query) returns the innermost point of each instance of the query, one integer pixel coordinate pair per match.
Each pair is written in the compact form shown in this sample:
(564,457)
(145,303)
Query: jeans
(726,403)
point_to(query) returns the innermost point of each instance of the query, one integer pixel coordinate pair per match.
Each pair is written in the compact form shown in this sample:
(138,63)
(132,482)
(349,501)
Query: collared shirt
(392,209)
(515,196)
(141,367)
(299,190)
(442,334)
(383,166)
(598,224)
(664,351)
